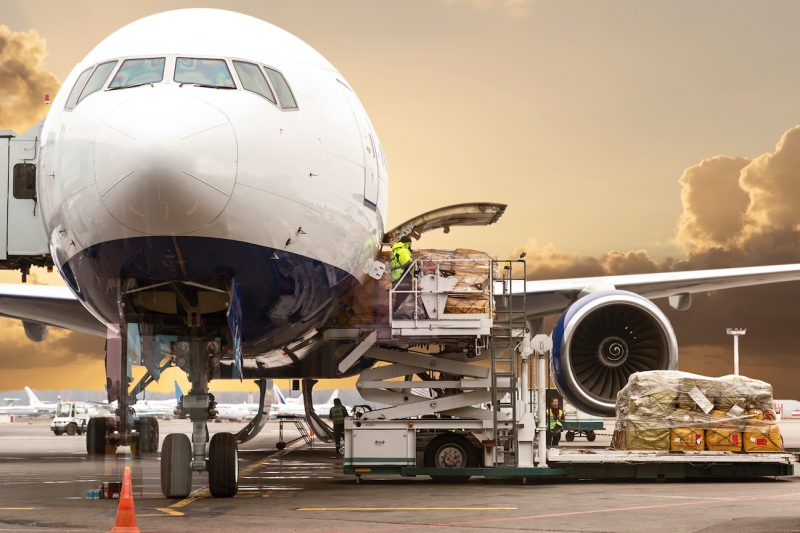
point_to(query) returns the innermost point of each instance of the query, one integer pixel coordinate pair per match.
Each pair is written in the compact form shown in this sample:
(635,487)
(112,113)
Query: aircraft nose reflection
(165,163)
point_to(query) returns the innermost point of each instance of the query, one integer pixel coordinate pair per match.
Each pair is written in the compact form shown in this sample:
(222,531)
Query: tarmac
(43,480)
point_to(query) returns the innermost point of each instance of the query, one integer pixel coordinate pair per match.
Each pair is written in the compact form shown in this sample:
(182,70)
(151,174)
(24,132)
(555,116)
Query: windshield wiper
(205,85)
(150,83)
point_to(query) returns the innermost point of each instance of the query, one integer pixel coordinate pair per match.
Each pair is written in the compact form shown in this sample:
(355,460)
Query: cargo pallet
(457,414)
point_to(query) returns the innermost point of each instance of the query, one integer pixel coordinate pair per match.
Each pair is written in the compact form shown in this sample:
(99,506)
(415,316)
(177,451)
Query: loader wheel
(450,451)
(590,436)
(570,436)
(72,429)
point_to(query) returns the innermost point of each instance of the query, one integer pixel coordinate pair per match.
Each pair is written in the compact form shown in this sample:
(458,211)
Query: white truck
(72,418)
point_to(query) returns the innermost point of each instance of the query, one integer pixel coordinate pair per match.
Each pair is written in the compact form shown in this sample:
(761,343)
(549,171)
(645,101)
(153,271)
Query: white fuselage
(164,181)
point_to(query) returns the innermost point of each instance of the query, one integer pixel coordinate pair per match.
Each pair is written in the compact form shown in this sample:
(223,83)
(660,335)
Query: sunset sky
(625,136)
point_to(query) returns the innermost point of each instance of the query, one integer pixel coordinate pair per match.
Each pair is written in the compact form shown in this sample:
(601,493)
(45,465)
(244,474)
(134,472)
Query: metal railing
(426,279)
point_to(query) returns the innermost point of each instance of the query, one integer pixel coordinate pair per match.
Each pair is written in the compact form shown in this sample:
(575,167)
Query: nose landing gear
(180,456)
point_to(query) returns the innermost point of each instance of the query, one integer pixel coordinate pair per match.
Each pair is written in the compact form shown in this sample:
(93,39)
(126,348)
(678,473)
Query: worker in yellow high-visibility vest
(338,413)
(555,423)
(402,260)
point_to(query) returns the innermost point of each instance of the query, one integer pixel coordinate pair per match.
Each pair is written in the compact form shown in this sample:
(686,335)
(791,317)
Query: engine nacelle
(601,340)
(35,331)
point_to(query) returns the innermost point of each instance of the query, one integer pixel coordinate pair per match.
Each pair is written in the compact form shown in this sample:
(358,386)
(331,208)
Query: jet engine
(601,340)
(35,331)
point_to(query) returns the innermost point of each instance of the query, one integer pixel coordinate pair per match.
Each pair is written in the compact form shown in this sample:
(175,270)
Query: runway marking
(664,496)
(462,523)
(205,492)
(168,511)
(406,509)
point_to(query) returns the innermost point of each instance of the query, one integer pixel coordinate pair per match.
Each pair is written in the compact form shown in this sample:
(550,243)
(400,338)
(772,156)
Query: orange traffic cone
(126,515)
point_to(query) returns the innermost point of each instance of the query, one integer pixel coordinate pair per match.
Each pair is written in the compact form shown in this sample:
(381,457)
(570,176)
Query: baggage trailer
(577,427)
(457,414)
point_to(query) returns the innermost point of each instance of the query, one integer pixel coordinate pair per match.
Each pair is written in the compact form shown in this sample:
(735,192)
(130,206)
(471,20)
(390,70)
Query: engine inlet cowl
(601,340)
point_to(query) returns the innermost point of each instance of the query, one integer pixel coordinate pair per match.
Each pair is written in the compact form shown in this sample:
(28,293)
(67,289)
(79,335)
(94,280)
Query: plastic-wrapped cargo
(763,438)
(730,413)
(369,301)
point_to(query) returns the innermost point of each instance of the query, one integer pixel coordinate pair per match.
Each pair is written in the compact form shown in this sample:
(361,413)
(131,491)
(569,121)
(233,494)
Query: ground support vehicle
(71,418)
(582,428)
(457,413)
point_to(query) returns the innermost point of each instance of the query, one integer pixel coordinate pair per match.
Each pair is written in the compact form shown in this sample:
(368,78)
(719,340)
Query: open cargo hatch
(472,214)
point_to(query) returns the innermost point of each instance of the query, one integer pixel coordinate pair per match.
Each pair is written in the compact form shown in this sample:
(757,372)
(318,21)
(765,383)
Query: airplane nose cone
(165,164)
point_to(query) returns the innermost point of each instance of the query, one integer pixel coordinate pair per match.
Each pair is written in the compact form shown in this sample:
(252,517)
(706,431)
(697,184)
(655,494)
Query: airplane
(158,408)
(284,407)
(43,408)
(209,183)
(9,408)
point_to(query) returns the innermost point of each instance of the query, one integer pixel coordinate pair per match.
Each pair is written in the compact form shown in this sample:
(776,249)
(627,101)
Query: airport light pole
(736,333)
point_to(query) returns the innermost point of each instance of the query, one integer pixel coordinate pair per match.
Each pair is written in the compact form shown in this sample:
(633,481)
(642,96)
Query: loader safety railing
(432,290)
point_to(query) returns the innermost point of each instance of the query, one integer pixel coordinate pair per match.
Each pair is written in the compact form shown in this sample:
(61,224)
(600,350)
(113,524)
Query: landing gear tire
(176,466)
(147,440)
(223,466)
(590,436)
(72,429)
(570,436)
(96,433)
(280,445)
(450,451)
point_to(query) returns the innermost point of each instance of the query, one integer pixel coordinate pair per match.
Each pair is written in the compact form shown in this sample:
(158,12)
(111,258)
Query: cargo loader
(480,412)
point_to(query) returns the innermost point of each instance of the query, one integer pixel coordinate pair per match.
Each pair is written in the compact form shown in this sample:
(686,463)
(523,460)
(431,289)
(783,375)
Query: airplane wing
(50,305)
(549,297)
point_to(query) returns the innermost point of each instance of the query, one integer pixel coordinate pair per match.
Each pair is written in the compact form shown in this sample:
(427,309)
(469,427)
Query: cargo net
(469,269)
(667,410)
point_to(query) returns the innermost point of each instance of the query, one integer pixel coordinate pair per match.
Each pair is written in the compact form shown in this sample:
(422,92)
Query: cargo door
(367,146)
(26,235)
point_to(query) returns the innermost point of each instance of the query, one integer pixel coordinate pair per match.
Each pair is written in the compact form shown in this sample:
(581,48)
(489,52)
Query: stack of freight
(470,268)
(676,411)
(369,302)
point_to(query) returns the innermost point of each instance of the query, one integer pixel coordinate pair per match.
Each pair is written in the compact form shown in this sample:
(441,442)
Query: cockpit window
(135,72)
(285,96)
(253,79)
(76,90)
(98,79)
(203,72)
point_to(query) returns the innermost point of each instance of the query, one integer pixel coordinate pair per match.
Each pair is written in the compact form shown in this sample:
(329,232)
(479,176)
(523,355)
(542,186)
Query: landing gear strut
(180,457)
(105,434)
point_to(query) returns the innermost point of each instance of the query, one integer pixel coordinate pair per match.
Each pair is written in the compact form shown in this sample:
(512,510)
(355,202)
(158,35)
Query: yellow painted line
(19,508)
(167,510)
(205,492)
(406,509)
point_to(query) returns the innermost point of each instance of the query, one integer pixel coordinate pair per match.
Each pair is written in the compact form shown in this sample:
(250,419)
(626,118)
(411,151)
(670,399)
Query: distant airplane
(158,408)
(42,408)
(294,407)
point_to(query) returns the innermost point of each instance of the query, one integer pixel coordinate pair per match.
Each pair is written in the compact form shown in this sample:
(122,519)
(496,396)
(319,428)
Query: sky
(625,136)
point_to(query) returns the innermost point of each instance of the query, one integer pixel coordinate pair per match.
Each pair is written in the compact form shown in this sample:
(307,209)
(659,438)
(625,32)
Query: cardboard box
(763,439)
(724,439)
(687,439)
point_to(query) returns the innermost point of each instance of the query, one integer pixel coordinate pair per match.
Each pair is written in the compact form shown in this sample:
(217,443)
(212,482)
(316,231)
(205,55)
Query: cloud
(736,212)
(24,80)
(772,181)
(710,219)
